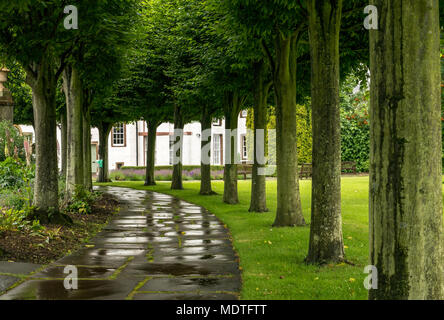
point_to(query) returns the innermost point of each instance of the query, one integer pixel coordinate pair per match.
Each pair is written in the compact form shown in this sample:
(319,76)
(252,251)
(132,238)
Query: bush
(15,174)
(81,201)
(12,219)
(11,142)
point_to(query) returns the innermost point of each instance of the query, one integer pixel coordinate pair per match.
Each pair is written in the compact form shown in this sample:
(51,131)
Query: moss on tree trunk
(43,86)
(176,183)
(289,208)
(232,106)
(405,159)
(205,167)
(261,88)
(326,243)
(87,157)
(64,143)
(104,130)
(73,89)
(151,152)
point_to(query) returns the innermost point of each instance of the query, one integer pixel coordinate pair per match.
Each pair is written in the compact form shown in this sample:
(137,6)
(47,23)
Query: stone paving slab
(216,284)
(7,281)
(156,248)
(17,267)
(185,296)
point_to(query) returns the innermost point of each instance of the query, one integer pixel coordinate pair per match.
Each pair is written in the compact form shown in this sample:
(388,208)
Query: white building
(127,143)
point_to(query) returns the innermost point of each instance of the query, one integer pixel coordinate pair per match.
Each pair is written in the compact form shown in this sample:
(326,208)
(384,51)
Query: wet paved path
(157,247)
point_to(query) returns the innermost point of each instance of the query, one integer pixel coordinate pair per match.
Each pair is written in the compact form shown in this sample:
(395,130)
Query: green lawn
(272,259)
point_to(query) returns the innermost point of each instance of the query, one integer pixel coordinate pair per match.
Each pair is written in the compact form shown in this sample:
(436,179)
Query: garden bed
(55,241)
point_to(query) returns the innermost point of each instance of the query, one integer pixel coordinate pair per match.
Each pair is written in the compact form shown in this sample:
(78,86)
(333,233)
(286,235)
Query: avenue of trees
(196,60)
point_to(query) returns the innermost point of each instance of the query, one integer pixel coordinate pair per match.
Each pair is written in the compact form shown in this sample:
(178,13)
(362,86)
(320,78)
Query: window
(243,114)
(118,136)
(244,149)
(217,122)
(217,149)
(171,149)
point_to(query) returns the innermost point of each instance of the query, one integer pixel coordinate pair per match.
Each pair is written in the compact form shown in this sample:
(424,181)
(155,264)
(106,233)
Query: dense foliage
(11,142)
(355,128)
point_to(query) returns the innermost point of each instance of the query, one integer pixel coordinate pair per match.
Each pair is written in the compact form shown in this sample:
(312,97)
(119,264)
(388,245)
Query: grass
(272,259)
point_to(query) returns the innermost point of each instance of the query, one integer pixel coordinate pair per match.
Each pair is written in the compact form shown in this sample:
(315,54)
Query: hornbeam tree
(32,33)
(281,24)
(405,161)
(103,33)
(326,243)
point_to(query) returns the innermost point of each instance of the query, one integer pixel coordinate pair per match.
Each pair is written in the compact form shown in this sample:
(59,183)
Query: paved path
(157,248)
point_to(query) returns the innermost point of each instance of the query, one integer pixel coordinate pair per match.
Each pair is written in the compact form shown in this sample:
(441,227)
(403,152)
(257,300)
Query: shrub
(81,201)
(11,142)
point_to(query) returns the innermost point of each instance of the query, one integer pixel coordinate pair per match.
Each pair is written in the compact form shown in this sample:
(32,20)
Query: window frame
(124,136)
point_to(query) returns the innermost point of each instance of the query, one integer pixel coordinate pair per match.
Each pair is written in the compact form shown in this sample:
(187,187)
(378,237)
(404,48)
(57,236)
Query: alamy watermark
(371,21)
(371,281)
(72,19)
(71,281)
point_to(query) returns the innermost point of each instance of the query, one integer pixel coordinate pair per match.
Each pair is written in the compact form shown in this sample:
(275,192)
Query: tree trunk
(151,152)
(176,183)
(72,87)
(232,107)
(64,142)
(405,159)
(205,163)
(104,130)
(326,243)
(289,208)
(46,173)
(87,158)
(260,95)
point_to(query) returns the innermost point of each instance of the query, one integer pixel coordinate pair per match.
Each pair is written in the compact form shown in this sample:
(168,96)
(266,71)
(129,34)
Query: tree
(281,26)
(32,34)
(261,89)
(405,158)
(104,31)
(326,243)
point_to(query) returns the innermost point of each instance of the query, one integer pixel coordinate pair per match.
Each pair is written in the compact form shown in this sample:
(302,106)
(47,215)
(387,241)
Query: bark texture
(104,130)
(176,183)
(64,142)
(43,85)
(232,106)
(289,208)
(205,168)
(405,161)
(258,201)
(326,243)
(72,86)
(151,152)
(87,158)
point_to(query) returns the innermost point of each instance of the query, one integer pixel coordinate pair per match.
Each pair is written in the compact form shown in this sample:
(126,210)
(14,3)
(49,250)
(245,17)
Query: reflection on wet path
(157,248)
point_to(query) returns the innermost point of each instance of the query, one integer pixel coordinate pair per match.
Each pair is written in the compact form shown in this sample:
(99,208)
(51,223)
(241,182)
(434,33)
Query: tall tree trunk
(43,86)
(87,157)
(176,183)
(405,159)
(289,208)
(326,243)
(151,152)
(64,143)
(205,163)
(104,130)
(72,86)
(258,201)
(232,106)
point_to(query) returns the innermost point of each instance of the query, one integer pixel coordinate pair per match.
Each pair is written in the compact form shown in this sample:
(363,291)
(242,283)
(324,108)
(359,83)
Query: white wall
(127,154)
